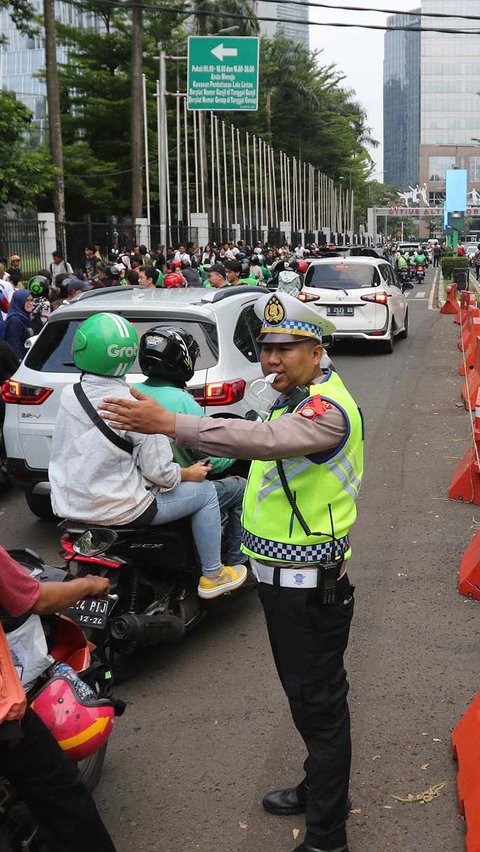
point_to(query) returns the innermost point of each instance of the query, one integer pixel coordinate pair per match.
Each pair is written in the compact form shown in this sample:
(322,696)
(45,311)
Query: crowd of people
(26,304)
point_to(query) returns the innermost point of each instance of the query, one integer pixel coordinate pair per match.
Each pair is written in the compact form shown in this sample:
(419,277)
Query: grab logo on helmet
(115,351)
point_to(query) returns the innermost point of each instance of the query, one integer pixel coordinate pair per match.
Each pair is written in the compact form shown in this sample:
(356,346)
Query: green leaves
(26,174)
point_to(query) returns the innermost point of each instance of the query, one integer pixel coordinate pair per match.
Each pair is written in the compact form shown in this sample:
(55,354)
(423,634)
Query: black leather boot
(288,802)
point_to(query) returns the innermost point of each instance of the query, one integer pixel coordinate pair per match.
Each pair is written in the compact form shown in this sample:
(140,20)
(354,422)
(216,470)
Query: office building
(23,57)
(401,102)
(285,15)
(450,104)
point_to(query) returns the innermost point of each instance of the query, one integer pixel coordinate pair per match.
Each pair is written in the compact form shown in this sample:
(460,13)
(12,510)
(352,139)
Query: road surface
(207,729)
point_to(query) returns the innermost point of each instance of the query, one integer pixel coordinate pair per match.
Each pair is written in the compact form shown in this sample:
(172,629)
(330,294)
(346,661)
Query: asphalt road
(207,729)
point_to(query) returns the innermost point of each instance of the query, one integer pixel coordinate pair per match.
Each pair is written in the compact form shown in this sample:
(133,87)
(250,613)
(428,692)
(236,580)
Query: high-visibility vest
(324,486)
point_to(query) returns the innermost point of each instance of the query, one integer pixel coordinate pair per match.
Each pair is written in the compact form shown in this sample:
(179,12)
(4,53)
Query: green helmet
(105,344)
(38,285)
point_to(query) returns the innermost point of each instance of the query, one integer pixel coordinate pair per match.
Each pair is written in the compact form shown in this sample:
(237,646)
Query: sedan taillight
(19,393)
(379,298)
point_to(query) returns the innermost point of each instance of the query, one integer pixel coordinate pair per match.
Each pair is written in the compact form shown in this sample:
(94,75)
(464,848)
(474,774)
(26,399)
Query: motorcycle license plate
(340,311)
(90,612)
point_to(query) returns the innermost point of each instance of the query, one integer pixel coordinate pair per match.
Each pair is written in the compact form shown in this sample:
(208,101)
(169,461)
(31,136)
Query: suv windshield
(52,352)
(341,276)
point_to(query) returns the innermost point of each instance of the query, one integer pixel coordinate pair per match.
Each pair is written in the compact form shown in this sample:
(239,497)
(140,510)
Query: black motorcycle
(153,573)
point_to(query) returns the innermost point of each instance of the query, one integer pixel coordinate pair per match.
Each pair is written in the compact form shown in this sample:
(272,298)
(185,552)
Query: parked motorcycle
(153,572)
(74,660)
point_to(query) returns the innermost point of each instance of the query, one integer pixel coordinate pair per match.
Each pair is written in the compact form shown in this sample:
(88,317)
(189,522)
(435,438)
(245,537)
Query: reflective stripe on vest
(324,486)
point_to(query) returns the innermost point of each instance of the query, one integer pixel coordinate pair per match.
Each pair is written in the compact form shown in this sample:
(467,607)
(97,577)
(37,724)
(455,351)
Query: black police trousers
(48,782)
(308,642)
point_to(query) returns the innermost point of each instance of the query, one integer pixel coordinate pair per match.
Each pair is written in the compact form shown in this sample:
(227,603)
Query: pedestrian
(476,262)
(149,276)
(18,324)
(298,510)
(216,276)
(437,253)
(59,265)
(461,250)
(14,270)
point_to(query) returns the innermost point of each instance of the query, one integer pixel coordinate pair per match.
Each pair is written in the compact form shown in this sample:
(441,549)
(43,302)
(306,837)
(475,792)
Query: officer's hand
(141,414)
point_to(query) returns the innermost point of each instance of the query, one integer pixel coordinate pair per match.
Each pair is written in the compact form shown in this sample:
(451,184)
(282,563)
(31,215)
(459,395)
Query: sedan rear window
(52,352)
(341,276)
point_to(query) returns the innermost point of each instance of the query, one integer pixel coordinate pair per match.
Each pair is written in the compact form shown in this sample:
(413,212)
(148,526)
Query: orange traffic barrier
(469,577)
(466,750)
(465,480)
(465,301)
(451,304)
(471,385)
(466,324)
(469,348)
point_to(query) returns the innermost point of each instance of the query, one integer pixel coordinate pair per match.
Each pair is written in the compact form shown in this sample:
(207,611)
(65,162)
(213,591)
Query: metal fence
(25,238)
(177,235)
(72,237)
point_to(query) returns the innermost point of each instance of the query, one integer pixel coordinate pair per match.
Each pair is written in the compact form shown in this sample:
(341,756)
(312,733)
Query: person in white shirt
(59,265)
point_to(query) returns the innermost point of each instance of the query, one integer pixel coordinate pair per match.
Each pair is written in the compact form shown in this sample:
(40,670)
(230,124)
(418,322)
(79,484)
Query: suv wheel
(40,505)
(387,345)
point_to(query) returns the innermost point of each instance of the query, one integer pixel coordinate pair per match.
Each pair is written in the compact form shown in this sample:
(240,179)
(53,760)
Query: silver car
(223,322)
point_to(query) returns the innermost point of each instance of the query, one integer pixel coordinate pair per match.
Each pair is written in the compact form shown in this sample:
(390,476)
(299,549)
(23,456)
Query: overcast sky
(359,55)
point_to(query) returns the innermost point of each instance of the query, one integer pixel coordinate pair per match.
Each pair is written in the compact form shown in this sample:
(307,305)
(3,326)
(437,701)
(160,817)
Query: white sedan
(361,295)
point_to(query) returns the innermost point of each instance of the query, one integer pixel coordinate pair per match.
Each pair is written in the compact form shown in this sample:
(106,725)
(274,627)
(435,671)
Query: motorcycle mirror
(94,541)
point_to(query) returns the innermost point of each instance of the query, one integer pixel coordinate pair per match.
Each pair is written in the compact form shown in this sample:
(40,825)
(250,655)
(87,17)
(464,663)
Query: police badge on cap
(287,320)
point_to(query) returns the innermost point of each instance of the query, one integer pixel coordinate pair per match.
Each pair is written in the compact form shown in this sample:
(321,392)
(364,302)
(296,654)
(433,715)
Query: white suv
(361,295)
(223,322)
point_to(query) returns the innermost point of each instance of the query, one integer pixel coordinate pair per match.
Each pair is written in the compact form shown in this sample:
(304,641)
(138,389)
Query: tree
(26,173)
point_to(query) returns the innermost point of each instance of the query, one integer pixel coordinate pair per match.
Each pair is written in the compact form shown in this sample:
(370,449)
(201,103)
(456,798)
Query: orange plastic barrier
(464,303)
(469,578)
(451,305)
(467,315)
(466,750)
(470,342)
(465,481)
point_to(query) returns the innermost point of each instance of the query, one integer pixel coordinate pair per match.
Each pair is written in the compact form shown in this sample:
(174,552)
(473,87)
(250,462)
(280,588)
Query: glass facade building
(401,102)
(450,77)
(22,58)
(287,13)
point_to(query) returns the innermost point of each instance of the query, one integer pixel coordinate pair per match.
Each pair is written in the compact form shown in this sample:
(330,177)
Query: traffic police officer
(299,507)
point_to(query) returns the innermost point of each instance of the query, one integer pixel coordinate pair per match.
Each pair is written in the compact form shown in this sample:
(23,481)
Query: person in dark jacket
(18,326)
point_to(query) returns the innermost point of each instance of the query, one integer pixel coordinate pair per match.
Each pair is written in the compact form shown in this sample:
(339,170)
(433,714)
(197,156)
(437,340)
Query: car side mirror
(30,341)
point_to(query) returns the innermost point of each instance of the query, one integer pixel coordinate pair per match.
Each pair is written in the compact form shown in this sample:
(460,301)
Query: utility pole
(53,102)
(136,111)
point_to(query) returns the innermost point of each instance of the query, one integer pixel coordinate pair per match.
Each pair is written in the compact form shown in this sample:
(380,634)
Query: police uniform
(298,510)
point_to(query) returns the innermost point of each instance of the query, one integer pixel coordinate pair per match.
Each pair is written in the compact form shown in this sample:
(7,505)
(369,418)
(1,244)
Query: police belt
(290,578)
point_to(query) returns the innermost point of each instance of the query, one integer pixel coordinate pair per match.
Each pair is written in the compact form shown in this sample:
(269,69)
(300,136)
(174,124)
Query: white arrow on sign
(221,52)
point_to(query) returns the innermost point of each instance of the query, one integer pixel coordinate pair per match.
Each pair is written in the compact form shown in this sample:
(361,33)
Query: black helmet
(168,352)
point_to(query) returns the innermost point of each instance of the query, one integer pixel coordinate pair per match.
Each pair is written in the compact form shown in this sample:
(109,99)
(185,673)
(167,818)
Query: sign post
(222,73)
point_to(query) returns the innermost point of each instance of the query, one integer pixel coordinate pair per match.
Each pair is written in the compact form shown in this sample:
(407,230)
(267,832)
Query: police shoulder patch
(314,407)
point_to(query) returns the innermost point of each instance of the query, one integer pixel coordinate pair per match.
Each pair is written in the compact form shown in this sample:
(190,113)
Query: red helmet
(302,266)
(174,279)
(176,264)
(81,727)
